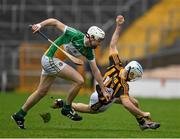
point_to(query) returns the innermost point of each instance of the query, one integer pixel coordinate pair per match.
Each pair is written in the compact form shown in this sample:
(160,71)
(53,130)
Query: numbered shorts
(94,100)
(51,66)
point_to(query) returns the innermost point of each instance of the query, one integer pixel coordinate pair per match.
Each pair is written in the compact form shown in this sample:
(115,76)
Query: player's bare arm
(48,22)
(133,109)
(99,79)
(115,37)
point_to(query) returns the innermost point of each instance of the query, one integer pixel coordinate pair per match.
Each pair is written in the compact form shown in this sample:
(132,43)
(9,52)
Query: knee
(91,111)
(80,81)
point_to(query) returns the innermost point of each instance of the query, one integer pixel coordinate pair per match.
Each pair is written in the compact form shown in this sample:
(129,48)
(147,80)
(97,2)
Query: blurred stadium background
(151,35)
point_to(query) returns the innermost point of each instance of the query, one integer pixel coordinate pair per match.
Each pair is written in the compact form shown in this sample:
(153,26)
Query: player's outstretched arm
(133,109)
(48,22)
(115,36)
(98,77)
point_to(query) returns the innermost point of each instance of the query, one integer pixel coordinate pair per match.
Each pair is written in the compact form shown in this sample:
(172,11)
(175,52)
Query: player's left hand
(107,96)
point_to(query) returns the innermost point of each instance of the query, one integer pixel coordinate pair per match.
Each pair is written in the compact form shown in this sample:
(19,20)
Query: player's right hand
(119,19)
(36,27)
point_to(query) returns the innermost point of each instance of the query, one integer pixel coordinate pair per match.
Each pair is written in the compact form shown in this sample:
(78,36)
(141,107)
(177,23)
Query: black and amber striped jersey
(112,80)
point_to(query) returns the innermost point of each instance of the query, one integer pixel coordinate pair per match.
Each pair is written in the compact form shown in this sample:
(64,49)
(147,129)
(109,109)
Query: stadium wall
(155,88)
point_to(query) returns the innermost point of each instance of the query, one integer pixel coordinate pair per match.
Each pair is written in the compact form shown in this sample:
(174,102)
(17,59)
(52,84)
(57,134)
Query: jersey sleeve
(90,55)
(67,36)
(114,60)
(71,32)
(125,89)
(122,90)
(61,40)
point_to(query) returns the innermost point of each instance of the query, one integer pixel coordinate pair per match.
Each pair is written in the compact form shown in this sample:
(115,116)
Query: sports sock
(67,107)
(21,113)
(140,120)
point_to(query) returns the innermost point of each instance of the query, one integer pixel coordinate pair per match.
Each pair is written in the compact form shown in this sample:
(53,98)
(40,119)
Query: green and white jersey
(73,42)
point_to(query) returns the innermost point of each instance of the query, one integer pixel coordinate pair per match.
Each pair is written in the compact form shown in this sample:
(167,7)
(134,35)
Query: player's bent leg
(45,83)
(80,107)
(71,74)
(83,108)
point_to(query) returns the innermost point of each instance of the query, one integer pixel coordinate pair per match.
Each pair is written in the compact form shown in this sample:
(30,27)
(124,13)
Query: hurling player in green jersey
(76,43)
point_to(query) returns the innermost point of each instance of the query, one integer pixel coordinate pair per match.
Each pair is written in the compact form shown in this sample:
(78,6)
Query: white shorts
(94,100)
(51,66)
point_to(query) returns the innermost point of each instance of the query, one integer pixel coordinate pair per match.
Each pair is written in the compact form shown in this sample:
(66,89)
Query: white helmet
(96,32)
(135,70)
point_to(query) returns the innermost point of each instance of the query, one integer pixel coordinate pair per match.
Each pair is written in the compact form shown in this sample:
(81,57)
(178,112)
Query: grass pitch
(116,122)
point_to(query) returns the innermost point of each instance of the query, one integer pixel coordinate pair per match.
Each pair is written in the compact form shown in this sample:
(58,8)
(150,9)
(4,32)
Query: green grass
(116,122)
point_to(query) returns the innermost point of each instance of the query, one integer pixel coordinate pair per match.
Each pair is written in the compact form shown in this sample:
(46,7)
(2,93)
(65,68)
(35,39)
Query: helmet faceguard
(96,32)
(134,71)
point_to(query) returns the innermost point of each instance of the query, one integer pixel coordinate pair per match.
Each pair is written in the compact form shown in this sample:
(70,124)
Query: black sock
(140,120)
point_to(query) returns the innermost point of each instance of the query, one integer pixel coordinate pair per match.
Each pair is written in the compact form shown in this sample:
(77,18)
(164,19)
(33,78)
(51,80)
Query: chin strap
(127,78)
(88,36)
